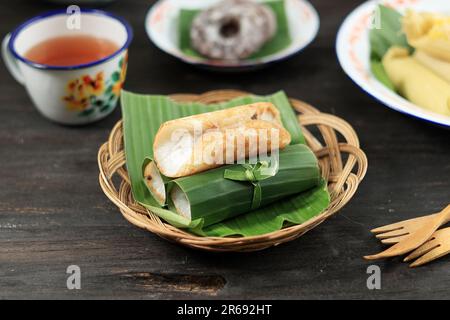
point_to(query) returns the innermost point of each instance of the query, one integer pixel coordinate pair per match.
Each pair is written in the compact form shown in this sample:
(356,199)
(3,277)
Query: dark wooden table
(53,213)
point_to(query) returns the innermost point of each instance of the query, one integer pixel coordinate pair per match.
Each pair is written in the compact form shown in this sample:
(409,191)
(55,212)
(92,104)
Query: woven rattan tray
(343,164)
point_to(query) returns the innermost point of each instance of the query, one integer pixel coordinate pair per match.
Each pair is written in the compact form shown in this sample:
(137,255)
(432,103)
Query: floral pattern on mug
(90,94)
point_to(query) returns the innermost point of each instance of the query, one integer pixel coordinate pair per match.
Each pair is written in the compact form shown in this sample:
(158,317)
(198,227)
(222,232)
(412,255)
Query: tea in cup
(73,75)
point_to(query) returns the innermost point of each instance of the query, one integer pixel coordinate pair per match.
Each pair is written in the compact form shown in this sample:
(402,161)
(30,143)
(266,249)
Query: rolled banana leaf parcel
(225,192)
(252,198)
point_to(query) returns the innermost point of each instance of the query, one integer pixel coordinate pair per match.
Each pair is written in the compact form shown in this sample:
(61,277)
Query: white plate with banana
(399,53)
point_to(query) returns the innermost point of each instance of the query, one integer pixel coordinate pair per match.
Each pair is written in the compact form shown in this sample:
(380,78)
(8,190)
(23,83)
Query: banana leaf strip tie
(254,173)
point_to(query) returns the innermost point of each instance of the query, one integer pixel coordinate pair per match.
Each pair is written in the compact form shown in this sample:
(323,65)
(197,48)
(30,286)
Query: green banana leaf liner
(381,39)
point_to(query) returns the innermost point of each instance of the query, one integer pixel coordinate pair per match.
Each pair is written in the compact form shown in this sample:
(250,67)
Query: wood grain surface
(53,213)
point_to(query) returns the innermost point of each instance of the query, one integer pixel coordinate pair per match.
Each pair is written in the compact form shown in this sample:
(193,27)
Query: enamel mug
(76,94)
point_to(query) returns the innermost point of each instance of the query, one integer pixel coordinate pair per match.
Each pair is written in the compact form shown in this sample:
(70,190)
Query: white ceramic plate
(353,48)
(162,21)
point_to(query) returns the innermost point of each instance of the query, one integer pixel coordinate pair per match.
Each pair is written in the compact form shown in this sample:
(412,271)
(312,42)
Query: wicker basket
(343,178)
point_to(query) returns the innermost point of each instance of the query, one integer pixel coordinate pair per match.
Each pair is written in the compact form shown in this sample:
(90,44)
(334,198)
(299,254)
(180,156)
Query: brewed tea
(71,50)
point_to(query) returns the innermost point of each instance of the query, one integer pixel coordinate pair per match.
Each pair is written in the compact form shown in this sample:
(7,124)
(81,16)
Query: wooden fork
(438,246)
(415,238)
(396,232)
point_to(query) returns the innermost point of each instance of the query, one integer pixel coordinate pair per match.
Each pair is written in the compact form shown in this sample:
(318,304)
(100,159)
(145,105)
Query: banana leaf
(289,211)
(381,39)
(215,196)
(142,117)
(280,41)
